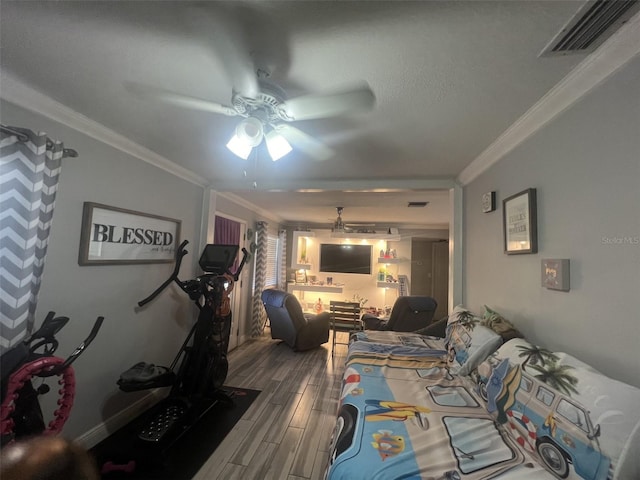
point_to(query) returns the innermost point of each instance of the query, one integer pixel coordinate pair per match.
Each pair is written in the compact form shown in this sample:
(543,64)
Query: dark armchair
(409,314)
(301,331)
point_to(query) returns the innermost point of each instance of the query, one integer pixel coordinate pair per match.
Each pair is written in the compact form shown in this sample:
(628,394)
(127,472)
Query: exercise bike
(33,360)
(196,385)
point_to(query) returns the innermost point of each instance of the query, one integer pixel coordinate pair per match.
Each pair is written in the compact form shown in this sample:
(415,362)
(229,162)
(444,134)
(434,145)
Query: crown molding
(16,92)
(619,49)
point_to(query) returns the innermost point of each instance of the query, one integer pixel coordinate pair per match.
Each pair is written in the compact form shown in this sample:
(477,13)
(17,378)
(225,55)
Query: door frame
(237,305)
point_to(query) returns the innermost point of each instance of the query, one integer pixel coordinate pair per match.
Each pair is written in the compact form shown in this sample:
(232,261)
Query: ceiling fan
(339,226)
(266,110)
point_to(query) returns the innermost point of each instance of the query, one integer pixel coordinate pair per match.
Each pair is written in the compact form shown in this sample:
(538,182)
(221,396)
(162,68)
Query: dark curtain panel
(227,232)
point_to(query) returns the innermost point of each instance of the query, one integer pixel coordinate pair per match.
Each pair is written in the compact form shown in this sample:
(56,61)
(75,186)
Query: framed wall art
(488,202)
(520,223)
(112,236)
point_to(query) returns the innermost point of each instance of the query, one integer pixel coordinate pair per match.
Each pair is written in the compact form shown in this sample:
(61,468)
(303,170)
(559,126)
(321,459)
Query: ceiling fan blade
(154,93)
(226,37)
(308,107)
(304,142)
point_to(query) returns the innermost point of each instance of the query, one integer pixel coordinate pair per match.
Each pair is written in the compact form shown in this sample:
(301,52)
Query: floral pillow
(468,342)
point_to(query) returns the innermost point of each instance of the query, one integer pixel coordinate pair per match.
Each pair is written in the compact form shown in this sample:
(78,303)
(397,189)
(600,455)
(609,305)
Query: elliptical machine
(196,386)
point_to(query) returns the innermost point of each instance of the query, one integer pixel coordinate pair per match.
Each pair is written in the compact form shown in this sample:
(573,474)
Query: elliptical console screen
(218,258)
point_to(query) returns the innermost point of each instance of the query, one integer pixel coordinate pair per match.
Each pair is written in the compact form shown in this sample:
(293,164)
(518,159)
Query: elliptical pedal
(160,424)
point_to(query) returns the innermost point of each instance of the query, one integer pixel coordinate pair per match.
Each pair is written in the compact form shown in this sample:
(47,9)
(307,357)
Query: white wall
(105,175)
(585,166)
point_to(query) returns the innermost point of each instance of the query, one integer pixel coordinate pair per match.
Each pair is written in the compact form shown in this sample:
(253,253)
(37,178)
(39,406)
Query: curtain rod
(66,152)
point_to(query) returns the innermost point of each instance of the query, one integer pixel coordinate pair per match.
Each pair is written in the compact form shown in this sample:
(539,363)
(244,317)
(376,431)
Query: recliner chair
(409,314)
(301,331)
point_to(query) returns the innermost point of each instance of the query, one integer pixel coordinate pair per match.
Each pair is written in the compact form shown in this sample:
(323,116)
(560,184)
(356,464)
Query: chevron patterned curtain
(258,314)
(282,240)
(29,172)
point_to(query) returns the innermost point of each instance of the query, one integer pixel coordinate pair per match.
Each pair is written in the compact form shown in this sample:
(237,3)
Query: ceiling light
(277,145)
(240,148)
(250,131)
(417,204)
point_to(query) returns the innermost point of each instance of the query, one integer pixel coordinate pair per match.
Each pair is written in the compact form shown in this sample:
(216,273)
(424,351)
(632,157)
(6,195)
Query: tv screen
(345,258)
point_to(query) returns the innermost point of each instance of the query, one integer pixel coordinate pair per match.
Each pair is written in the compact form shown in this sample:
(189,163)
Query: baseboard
(101,431)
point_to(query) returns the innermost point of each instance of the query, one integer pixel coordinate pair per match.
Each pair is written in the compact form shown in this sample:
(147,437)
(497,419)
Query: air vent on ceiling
(417,204)
(592,24)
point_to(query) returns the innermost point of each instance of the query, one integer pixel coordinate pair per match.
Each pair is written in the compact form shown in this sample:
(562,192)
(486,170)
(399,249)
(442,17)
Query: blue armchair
(301,331)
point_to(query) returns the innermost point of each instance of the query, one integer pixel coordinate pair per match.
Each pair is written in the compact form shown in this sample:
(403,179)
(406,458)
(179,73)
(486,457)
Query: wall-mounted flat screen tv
(345,258)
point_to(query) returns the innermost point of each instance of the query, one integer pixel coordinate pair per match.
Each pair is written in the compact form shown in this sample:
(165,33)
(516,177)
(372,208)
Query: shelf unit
(395,261)
(314,288)
(391,260)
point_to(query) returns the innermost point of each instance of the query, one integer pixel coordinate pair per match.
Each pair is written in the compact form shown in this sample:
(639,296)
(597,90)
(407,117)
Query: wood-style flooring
(285,434)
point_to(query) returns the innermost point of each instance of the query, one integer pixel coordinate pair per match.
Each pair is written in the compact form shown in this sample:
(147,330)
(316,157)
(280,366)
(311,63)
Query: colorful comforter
(403,414)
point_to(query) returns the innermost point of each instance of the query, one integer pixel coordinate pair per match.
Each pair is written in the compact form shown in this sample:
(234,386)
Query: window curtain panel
(258,314)
(282,239)
(227,232)
(30,166)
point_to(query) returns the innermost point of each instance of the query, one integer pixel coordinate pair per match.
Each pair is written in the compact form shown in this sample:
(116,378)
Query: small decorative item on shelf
(390,279)
(381,253)
(393,253)
(329,280)
(381,275)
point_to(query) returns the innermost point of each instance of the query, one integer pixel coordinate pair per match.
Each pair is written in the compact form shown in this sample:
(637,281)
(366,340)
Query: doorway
(231,231)
(430,271)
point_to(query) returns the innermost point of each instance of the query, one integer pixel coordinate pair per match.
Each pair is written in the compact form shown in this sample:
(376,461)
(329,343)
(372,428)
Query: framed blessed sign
(113,235)
(520,223)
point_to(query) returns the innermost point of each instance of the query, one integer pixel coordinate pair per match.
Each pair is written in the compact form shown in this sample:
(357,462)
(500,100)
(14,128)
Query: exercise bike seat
(145,375)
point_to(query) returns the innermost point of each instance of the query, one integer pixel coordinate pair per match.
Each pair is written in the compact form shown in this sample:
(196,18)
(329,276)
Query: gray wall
(105,175)
(585,166)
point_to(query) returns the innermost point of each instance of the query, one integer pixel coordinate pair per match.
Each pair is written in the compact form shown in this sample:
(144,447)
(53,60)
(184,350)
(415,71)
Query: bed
(471,406)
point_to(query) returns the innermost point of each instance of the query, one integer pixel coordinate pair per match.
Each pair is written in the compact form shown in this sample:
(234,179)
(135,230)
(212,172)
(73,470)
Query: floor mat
(132,459)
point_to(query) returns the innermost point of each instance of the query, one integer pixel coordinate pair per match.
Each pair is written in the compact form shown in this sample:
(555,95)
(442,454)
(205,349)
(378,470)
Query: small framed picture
(489,202)
(301,276)
(520,223)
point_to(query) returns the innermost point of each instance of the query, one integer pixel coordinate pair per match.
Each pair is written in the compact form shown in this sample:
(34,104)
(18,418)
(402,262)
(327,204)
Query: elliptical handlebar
(236,275)
(180,253)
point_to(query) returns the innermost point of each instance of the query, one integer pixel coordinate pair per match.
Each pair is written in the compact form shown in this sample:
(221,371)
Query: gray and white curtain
(282,277)
(259,316)
(29,172)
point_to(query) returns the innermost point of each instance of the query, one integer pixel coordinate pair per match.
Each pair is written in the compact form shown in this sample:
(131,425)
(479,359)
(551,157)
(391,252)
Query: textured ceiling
(449,78)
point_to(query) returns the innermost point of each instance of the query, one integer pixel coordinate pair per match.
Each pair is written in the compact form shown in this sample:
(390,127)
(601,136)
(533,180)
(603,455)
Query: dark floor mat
(178,460)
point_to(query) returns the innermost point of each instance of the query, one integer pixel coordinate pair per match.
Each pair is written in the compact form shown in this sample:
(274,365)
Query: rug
(172,460)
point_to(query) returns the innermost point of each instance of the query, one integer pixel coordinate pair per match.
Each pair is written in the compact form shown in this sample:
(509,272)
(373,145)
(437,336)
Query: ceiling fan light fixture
(277,145)
(239,147)
(250,131)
